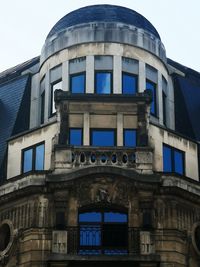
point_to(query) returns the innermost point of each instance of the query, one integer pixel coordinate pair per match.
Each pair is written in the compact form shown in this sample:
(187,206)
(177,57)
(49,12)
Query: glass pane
(39,158)
(78,84)
(167,159)
(115,217)
(115,235)
(75,137)
(164,107)
(152,87)
(42,107)
(178,162)
(103,138)
(129,84)
(90,217)
(28,159)
(130,138)
(90,235)
(103,83)
(55,86)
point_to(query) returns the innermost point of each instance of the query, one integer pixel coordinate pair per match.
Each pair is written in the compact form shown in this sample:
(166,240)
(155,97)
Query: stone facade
(65,204)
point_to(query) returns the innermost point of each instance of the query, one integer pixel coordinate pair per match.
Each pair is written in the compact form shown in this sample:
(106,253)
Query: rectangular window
(77,83)
(42,107)
(103,82)
(167,159)
(60,220)
(173,160)
(33,158)
(39,157)
(152,86)
(102,137)
(130,137)
(164,107)
(55,86)
(76,136)
(129,83)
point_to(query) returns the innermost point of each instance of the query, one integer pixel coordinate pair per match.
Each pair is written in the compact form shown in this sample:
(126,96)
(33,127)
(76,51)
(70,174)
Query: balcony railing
(103,156)
(97,240)
(139,158)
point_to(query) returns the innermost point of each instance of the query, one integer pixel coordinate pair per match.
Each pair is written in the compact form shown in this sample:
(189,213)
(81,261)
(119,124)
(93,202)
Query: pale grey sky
(25,24)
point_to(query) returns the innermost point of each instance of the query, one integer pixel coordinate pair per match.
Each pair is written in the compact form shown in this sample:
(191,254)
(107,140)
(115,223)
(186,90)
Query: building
(99,149)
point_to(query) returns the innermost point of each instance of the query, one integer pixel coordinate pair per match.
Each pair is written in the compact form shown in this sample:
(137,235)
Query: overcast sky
(25,24)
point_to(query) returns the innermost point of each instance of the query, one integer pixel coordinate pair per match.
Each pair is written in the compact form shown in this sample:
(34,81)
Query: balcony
(96,240)
(139,158)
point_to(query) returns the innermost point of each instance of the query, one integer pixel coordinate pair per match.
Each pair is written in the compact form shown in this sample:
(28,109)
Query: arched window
(103,231)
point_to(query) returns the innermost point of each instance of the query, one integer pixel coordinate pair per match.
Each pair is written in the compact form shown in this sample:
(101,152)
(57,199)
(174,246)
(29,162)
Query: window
(33,158)
(76,136)
(173,160)
(164,107)
(152,86)
(103,137)
(77,83)
(103,232)
(42,100)
(130,137)
(42,107)
(129,83)
(60,220)
(103,82)
(55,86)
(146,219)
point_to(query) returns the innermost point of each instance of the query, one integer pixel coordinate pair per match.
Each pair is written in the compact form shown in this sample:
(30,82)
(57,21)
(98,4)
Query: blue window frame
(103,82)
(173,160)
(76,136)
(152,86)
(33,158)
(103,137)
(130,137)
(77,83)
(129,83)
(103,232)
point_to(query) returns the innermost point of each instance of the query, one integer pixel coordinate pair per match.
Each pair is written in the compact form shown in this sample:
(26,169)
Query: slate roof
(187,101)
(17,70)
(14,105)
(103,13)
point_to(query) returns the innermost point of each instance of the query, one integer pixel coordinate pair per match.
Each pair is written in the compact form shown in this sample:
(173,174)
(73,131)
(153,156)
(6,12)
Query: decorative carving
(104,189)
(103,196)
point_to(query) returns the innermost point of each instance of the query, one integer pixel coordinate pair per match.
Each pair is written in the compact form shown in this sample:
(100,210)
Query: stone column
(142,77)
(120,129)
(90,74)
(142,134)
(64,123)
(86,129)
(65,76)
(117,75)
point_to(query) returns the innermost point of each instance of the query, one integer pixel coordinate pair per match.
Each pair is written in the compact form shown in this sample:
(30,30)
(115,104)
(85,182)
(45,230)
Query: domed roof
(103,13)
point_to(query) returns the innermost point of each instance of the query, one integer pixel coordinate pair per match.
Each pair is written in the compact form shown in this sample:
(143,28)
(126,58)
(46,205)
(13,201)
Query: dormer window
(33,158)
